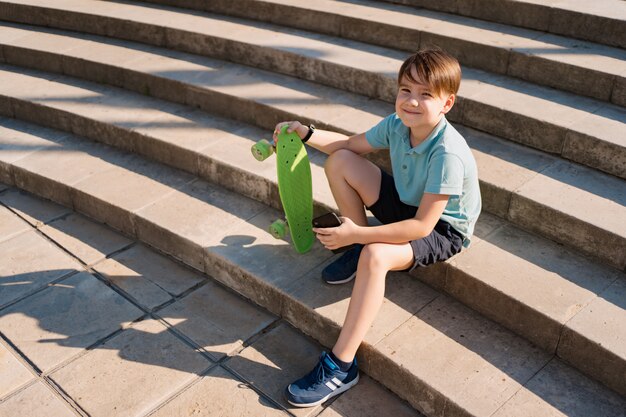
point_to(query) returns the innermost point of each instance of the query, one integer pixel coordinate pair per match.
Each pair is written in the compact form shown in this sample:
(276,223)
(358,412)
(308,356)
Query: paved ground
(92,323)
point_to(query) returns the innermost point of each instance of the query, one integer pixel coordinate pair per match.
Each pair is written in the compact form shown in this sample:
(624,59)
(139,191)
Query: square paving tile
(14,372)
(131,373)
(62,320)
(369,399)
(216,319)
(35,401)
(85,239)
(35,210)
(150,278)
(29,262)
(10,224)
(276,360)
(219,394)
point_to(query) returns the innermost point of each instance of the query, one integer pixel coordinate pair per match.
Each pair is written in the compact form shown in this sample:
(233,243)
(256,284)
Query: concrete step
(583,68)
(599,21)
(432,351)
(580,129)
(509,173)
(87,313)
(478,44)
(193,141)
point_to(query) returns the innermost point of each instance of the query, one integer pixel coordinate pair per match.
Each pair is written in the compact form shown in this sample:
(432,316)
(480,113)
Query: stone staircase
(122,110)
(600,22)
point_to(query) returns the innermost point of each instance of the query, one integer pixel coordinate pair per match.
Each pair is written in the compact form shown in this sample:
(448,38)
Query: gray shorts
(442,243)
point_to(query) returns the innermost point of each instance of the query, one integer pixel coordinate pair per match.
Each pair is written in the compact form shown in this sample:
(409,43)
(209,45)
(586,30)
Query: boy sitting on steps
(428,208)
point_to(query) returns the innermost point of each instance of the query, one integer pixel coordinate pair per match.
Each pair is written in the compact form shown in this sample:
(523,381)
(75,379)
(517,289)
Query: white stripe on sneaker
(331,386)
(337,382)
(343,281)
(338,391)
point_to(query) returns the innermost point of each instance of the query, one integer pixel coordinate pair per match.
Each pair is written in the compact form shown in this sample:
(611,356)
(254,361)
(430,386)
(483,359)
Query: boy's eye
(427,94)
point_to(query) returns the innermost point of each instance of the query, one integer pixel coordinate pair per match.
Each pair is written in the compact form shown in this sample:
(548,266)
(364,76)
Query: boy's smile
(420,108)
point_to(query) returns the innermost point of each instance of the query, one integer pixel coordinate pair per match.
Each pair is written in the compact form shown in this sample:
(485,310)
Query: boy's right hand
(294,126)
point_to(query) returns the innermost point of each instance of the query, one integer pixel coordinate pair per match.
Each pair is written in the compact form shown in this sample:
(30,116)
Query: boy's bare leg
(354,182)
(368,293)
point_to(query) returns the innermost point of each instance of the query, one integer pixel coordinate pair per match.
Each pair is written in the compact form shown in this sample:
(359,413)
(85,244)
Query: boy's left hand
(338,237)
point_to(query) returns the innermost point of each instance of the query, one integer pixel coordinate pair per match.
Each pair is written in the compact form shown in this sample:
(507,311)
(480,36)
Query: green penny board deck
(294,186)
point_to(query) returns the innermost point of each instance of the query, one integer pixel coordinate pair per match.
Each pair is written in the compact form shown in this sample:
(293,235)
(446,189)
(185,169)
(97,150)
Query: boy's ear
(449,103)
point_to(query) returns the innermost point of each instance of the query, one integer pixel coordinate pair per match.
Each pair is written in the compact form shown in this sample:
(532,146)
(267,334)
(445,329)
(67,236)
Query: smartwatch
(308,135)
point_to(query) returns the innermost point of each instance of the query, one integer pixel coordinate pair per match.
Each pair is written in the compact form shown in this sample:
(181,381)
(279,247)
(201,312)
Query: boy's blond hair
(435,68)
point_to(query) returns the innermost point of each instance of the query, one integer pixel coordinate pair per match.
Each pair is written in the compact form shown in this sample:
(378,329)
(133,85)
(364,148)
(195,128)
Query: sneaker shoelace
(320,374)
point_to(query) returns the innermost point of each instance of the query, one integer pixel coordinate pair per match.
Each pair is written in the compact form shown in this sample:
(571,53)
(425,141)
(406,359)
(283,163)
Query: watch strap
(309,134)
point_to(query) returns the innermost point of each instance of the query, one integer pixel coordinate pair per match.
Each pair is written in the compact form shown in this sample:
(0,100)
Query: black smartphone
(330,220)
(327,220)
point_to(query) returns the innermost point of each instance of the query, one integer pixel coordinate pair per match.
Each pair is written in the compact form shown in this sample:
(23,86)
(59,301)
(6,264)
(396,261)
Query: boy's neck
(419,135)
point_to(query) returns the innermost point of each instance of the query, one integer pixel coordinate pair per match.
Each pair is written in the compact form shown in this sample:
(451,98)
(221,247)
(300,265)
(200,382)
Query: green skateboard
(294,186)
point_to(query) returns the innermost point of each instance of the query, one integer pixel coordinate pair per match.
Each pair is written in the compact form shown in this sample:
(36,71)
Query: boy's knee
(374,257)
(338,160)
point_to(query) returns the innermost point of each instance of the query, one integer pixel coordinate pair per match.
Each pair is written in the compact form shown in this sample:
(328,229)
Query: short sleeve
(378,136)
(445,175)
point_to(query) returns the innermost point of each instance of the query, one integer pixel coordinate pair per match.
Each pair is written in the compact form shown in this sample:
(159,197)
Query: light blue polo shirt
(442,164)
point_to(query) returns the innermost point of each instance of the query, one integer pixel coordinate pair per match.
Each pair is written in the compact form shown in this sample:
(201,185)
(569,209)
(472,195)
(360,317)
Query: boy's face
(419,107)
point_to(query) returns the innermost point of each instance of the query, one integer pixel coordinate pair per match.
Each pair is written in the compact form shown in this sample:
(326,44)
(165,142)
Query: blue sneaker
(325,381)
(343,269)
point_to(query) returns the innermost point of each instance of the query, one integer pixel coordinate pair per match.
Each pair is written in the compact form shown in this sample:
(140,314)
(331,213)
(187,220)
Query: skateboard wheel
(278,229)
(262,150)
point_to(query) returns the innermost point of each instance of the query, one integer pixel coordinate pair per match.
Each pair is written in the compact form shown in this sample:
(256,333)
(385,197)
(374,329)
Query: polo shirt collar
(432,137)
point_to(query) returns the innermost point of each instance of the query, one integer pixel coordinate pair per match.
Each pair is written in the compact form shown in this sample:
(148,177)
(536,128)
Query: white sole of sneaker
(350,278)
(329,396)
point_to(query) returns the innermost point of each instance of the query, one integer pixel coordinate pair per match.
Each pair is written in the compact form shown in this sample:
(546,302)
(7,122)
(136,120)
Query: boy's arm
(327,141)
(430,210)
